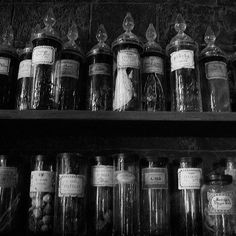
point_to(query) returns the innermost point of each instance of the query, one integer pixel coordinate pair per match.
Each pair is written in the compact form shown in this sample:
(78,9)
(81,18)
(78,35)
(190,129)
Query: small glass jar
(126,211)
(42,188)
(24,80)
(70,197)
(218,206)
(186,197)
(101,195)
(231,168)
(155,205)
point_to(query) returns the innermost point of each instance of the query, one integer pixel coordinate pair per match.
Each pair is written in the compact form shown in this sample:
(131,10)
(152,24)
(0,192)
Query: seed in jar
(47,209)
(38,202)
(47,198)
(33,202)
(32,194)
(47,219)
(37,213)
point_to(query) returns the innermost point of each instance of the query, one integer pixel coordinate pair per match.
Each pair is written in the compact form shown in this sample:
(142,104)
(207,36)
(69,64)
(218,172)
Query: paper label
(8,177)
(231,172)
(221,203)
(189,178)
(128,58)
(69,68)
(43,55)
(153,64)
(71,185)
(154,178)
(25,69)
(182,59)
(216,70)
(42,181)
(99,69)
(124,177)
(4,65)
(102,176)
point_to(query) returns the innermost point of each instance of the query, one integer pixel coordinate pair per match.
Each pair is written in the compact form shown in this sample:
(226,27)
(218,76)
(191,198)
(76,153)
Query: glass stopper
(101,35)
(209,36)
(128,23)
(180,24)
(8,36)
(72,34)
(151,33)
(49,20)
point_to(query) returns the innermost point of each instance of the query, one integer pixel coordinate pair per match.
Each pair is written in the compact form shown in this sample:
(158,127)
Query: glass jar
(42,188)
(24,80)
(214,77)
(155,205)
(70,198)
(46,52)
(126,195)
(126,67)
(101,195)
(99,86)
(231,168)
(153,77)
(186,197)
(218,206)
(9,197)
(184,75)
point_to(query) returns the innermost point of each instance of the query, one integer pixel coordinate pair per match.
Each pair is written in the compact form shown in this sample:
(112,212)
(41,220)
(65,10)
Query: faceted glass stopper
(209,36)
(72,34)
(101,35)
(151,33)
(49,20)
(180,24)
(128,23)
(8,36)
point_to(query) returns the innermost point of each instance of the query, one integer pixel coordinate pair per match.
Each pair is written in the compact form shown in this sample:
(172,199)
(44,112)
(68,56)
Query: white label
(153,64)
(221,203)
(102,176)
(25,69)
(124,177)
(43,55)
(189,178)
(42,181)
(4,65)
(231,172)
(154,178)
(70,68)
(216,70)
(71,185)
(99,69)
(8,177)
(182,59)
(128,58)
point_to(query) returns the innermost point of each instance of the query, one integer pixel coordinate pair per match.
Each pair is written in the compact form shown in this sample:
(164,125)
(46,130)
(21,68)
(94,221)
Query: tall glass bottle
(46,51)
(99,86)
(70,72)
(153,78)
(214,78)
(126,196)
(101,196)
(42,188)
(155,205)
(70,199)
(184,75)
(126,67)
(186,197)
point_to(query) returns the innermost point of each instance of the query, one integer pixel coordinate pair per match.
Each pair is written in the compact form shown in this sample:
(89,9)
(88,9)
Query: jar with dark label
(126,211)
(101,196)
(155,205)
(70,72)
(126,67)
(184,71)
(99,86)
(42,188)
(186,197)
(70,198)
(24,79)
(218,206)
(153,74)
(214,77)
(46,52)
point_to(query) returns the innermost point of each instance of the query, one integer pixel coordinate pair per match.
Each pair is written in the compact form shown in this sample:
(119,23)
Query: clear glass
(42,188)
(70,198)
(155,205)
(126,196)
(218,209)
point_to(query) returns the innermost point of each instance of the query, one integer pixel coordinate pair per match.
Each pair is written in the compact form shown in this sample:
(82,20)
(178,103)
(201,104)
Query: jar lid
(218,177)
(102,159)
(25,50)
(128,37)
